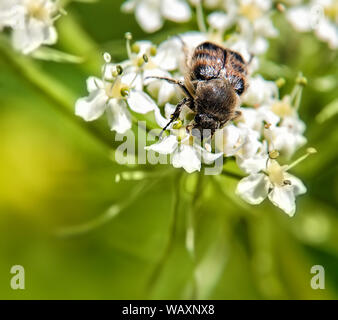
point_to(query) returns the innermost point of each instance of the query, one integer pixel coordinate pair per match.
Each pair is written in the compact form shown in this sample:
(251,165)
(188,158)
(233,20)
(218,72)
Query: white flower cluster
(31,23)
(150,14)
(252,18)
(320,16)
(269,126)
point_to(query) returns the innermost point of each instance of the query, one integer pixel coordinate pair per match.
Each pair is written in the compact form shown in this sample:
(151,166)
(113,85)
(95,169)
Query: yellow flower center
(117,90)
(37,10)
(276,173)
(332,12)
(250,11)
(283,108)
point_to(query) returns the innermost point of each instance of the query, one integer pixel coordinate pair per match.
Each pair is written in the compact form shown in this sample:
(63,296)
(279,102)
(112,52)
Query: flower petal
(298,186)
(140,102)
(92,107)
(284,198)
(169,54)
(128,6)
(29,37)
(220,21)
(148,16)
(160,120)
(229,139)
(50,35)
(175,10)
(300,18)
(328,32)
(94,83)
(254,188)
(165,146)
(119,117)
(186,157)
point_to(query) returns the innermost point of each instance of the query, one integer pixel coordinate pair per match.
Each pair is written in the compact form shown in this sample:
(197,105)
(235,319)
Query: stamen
(309,151)
(119,69)
(177,124)
(280,82)
(200,17)
(135,48)
(273,154)
(296,93)
(128,37)
(267,125)
(125,92)
(107,57)
(153,51)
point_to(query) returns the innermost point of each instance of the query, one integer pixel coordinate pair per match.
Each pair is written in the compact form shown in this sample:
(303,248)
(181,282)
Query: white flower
(256,118)
(260,91)
(243,143)
(253,157)
(163,90)
(275,183)
(113,96)
(184,152)
(318,15)
(150,14)
(287,136)
(31,22)
(252,17)
(229,139)
(9,13)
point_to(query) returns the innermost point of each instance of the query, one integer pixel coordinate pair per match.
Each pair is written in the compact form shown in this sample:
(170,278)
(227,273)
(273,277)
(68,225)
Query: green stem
(190,237)
(172,234)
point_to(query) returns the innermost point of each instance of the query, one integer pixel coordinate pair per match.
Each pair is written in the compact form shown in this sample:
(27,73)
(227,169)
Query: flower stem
(172,234)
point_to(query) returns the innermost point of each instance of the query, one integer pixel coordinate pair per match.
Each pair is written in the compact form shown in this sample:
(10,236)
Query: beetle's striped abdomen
(207,61)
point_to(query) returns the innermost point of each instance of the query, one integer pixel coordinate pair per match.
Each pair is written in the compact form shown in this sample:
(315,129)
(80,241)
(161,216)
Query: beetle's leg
(176,114)
(237,115)
(174,81)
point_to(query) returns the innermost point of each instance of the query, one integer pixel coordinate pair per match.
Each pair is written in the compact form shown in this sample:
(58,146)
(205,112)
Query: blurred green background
(56,172)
